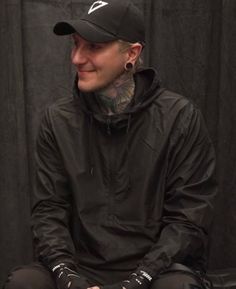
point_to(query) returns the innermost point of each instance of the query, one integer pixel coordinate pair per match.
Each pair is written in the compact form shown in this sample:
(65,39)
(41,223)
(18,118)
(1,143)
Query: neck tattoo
(115,98)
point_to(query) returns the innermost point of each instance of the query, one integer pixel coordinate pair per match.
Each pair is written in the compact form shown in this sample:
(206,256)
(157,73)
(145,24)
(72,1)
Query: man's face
(97,64)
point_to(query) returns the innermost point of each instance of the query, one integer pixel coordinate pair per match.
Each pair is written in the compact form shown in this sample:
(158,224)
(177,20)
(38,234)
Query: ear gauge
(129,66)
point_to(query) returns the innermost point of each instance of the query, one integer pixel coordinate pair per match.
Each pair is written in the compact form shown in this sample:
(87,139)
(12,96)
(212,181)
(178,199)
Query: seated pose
(125,170)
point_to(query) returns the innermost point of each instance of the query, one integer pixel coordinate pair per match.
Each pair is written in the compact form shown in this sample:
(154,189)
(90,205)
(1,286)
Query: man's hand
(66,278)
(138,280)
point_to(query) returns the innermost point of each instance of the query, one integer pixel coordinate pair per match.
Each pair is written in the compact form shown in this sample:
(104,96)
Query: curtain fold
(223,248)
(15,238)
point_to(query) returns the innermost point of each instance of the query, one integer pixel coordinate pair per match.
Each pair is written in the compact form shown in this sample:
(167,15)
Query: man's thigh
(34,276)
(182,278)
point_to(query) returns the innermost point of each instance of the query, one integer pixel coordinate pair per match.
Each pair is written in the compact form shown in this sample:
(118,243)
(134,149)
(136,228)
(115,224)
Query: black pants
(36,276)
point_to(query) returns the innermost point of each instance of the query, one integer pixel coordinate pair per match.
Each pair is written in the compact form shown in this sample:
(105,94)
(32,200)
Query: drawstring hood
(147,89)
(128,124)
(127,151)
(146,82)
(91,159)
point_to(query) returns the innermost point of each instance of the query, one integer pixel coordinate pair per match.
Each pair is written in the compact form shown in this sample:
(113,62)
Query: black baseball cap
(107,21)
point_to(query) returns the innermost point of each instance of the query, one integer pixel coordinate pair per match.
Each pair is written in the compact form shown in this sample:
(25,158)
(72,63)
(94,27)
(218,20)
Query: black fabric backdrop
(192,43)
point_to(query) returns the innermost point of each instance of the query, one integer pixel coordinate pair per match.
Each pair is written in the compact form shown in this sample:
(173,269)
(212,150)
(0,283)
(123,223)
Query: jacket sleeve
(51,201)
(189,196)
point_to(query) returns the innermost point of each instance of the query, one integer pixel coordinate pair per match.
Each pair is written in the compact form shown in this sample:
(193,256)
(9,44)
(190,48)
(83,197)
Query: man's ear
(134,51)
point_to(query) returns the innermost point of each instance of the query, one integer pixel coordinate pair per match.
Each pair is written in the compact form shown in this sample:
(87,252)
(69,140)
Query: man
(125,187)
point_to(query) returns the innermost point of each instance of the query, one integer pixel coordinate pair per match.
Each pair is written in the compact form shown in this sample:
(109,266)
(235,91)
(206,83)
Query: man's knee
(30,277)
(177,281)
(182,278)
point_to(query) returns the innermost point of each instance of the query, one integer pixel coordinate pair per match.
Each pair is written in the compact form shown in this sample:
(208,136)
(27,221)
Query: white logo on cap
(96,5)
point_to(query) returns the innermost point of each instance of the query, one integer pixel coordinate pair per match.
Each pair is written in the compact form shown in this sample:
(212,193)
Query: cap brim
(85,29)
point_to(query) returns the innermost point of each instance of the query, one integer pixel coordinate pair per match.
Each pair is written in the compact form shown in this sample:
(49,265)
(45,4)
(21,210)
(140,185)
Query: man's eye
(94,46)
(76,44)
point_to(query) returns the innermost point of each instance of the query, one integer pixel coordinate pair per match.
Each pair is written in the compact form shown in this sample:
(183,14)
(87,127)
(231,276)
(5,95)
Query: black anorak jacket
(130,191)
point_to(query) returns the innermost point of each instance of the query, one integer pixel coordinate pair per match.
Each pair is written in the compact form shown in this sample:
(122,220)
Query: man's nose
(78,56)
